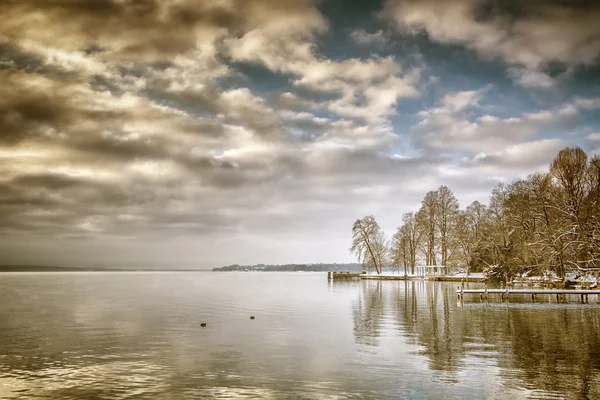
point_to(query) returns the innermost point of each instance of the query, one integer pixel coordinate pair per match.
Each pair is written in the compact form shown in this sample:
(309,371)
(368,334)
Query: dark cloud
(136,22)
(132,28)
(33,106)
(59,204)
(47,181)
(14,57)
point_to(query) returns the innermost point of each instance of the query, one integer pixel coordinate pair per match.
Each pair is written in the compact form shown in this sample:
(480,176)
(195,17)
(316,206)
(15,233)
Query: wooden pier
(335,275)
(505,293)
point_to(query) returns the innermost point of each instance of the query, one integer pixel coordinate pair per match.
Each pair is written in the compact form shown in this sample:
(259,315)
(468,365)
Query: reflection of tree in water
(424,313)
(554,349)
(368,313)
(557,350)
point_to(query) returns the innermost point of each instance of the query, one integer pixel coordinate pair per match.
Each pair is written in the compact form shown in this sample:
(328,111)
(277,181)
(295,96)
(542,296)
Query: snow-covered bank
(572,279)
(400,275)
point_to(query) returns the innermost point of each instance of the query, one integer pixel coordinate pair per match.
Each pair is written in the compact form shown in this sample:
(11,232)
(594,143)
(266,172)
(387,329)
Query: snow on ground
(571,276)
(471,275)
(460,273)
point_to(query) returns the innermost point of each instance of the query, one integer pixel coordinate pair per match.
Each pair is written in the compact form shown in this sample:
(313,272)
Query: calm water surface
(138,336)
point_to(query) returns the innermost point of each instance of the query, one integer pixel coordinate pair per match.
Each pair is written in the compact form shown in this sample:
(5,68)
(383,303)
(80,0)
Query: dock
(505,293)
(335,275)
(387,277)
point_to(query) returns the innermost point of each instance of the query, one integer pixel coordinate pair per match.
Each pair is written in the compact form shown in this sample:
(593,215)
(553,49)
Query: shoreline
(348,275)
(424,278)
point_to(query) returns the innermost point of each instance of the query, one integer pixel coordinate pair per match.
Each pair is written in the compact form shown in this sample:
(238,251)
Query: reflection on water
(549,350)
(138,335)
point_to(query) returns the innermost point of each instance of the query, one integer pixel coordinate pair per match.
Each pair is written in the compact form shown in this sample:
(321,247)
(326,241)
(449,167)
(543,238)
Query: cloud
(127,123)
(291,101)
(362,37)
(588,103)
(451,126)
(527,156)
(75,160)
(459,101)
(366,89)
(529,36)
(144,28)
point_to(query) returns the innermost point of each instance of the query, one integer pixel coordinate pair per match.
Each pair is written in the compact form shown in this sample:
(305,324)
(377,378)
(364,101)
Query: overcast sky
(204,133)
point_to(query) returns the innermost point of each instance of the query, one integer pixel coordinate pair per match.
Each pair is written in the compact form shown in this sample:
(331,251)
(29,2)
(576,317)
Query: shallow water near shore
(138,335)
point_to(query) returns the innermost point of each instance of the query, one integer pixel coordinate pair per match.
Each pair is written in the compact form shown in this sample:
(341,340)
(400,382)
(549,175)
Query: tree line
(547,222)
(291,267)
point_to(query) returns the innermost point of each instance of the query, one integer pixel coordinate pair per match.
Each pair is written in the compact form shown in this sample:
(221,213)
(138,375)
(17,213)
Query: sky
(182,133)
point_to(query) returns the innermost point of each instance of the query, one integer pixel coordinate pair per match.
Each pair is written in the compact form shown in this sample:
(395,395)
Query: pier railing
(505,293)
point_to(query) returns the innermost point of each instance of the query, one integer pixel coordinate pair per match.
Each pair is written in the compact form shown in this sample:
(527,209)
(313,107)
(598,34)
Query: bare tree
(427,219)
(570,170)
(405,242)
(399,249)
(445,217)
(475,215)
(520,210)
(494,247)
(368,243)
(549,240)
(413,234)
(591,237)
(547,222)
(463,238)
(467,234)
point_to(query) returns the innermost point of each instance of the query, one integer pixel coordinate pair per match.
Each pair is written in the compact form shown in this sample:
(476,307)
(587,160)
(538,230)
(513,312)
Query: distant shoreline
(322,267)
(52,268)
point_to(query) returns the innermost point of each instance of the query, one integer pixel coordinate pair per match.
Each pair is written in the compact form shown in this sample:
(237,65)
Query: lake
(137,335)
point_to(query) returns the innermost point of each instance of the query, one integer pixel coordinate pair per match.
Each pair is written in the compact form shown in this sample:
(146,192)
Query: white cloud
(449,127)
(527,39)
(459,101)
(524,157)
(531,78)
(367,89)
(362,37)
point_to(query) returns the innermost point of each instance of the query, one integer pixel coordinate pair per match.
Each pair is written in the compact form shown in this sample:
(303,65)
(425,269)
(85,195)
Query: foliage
(548,222)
